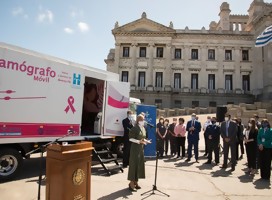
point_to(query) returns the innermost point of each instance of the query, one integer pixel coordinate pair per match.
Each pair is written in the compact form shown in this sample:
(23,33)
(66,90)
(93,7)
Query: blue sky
(80,30)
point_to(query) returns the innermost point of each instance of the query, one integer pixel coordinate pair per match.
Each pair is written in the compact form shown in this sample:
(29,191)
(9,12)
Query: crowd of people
(254,138)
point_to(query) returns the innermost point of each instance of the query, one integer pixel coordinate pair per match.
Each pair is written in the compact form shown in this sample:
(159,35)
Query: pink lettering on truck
(39,73)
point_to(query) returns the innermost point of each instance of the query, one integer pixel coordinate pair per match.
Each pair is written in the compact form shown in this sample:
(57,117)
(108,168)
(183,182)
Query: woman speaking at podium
(136,169)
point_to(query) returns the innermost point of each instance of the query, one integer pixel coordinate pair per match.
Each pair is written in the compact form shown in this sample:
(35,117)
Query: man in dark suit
(212,133)
(193,127)
(229,134)
(127,124)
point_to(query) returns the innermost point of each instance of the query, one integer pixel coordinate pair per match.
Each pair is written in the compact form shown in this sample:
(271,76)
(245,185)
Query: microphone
(148,124)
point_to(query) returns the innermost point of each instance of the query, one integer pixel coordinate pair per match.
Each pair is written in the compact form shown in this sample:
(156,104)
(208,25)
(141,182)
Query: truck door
(115,107)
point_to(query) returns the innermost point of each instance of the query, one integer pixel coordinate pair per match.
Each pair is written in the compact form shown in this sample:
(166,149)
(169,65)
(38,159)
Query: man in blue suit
(193,127)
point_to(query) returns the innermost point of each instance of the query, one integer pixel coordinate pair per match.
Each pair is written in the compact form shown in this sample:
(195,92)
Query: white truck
(43,98)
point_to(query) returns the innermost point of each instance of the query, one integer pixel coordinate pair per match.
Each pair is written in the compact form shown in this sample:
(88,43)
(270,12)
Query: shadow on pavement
(261,184)
(206,166)
(246,178)
(100,171)
(221,173)
(171,159)
(184,164)
(124,194)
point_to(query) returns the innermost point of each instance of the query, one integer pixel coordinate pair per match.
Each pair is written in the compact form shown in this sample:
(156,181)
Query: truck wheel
(10,163)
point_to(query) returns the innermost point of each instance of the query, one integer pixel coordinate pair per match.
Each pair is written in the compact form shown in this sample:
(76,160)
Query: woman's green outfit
(136,160)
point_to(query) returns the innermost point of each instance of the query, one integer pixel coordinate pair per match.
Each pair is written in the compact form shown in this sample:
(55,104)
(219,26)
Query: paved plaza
(179,179)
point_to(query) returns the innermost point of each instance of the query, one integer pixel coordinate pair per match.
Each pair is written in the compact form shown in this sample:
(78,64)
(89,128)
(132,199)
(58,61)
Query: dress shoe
(208,162)
(205,154)
(131,188)
(253,172)
(187,160)
(232,168)
(138,187)
(197,161)
(241,157)
(224,166)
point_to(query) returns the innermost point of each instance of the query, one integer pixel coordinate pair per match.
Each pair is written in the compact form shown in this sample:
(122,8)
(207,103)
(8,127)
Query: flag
(264,38)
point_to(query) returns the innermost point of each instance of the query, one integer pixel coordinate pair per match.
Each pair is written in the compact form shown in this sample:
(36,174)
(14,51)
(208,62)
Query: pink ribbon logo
(70,101)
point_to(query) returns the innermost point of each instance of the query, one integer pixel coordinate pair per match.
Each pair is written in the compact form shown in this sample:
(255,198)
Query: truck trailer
(43,98)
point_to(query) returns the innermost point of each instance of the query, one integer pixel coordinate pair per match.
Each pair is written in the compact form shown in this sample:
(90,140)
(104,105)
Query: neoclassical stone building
(175,68)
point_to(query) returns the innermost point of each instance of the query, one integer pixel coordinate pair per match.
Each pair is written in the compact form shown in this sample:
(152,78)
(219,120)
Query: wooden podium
(68,171)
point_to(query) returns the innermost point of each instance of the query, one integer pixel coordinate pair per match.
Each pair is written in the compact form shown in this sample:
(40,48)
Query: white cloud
(19,11)
(75,13)
(68,30)
(83,27)
(46,15)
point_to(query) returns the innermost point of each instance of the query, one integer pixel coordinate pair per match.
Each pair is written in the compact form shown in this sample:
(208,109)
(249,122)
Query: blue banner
(150,118)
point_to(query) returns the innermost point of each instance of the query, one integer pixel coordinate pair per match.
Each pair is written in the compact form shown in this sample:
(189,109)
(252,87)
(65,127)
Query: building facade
(176,68)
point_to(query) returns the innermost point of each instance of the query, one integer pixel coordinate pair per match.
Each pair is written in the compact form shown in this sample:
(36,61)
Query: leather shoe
(232,168)
(187,160)
(224,166)
(138,187)
(131,189)
(197,161)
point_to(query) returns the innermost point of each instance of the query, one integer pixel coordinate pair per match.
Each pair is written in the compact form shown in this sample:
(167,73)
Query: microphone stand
(155,182)
(42,148)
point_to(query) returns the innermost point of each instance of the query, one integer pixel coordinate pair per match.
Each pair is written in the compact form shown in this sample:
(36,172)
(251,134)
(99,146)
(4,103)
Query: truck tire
(10,163)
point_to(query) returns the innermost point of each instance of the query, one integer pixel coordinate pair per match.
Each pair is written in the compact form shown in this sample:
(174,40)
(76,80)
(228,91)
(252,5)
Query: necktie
(227,129)
(193,123)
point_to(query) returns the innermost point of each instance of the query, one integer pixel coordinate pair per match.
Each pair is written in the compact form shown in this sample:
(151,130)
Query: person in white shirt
(206,124)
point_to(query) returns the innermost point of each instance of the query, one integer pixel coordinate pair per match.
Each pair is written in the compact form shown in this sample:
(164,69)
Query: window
(125,51)
(177,53)
(142,52)
(141,79)
(177,103)
(158,79)
(194,54)
(194,81)
(195,104)
(211,81)
(228,82)
(228,55)
(177,80)
(245,55)
(124,76)
(159,52)
(158,103)
(246,83)
(212,104)
(211,54)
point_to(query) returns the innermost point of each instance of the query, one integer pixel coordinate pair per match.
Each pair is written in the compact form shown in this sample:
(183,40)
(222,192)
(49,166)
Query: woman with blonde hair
(250,139)
(136,169)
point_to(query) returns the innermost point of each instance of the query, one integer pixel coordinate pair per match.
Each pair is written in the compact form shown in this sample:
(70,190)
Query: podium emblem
(78,177)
